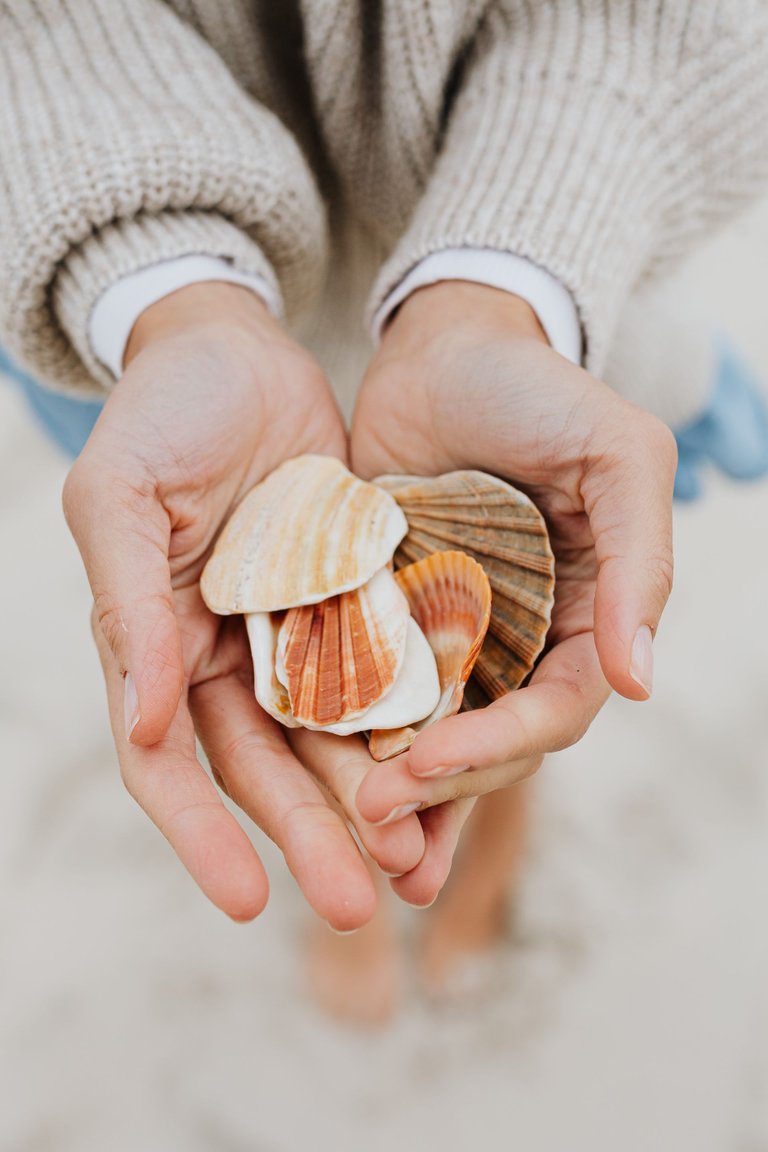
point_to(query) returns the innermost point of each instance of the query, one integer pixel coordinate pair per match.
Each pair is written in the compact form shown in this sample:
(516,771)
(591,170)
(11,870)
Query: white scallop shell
(310,530)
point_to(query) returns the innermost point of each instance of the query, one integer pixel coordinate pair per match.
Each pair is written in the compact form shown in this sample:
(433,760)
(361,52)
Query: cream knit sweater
(598,138)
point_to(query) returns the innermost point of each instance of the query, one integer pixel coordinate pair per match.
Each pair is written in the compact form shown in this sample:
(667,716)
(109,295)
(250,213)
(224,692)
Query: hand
(214,397)
(464,378)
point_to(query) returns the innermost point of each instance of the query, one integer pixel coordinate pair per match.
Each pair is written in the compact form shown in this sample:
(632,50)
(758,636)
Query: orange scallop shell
(450,599)
(339,657)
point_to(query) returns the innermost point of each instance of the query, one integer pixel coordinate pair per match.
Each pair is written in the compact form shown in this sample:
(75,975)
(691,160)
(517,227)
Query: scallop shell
(503,531)
(339,657)
(413,696)
(450,599)
(263,628)
(310,530)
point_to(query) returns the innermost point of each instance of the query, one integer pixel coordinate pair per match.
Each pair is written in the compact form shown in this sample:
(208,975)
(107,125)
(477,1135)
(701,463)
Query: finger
(391,789)
(249,751)
(123,535)
(628,498)
(442,829)
(565,694)
(341,763)
(171,786)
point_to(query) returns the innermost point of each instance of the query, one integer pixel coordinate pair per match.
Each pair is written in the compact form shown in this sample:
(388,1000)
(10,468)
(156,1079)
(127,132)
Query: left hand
(464,378)
(215,395)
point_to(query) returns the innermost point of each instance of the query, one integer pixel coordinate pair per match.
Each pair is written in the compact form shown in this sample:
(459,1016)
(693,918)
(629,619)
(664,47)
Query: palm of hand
(477,395)
(169,458)
(442,424)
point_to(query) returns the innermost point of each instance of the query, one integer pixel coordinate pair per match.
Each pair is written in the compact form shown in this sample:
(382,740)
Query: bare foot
(470,918)
(459,940)
(356,977)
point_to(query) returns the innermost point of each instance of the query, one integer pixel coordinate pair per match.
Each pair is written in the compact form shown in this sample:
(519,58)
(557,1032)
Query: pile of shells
(343,643)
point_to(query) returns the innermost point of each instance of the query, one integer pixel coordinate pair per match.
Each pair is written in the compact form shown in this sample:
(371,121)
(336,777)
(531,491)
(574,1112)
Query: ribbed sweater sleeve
(600,140)
(124,140)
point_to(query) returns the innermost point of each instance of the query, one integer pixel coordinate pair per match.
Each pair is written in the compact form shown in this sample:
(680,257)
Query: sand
(629,1011)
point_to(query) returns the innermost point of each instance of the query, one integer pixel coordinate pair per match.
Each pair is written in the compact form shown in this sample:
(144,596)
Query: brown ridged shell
(450,599)
(505,533)
(339,657)
(310,530)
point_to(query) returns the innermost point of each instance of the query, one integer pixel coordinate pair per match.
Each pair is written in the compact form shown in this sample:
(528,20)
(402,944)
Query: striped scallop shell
(413,695)
(341,656)
(450,599)
(310,530)
(505,533)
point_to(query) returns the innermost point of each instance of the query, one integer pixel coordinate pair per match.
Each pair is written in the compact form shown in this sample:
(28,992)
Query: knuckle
(107,617)
(219,780)
(75,492)
(579,715)
(659,442)
(170,823)
(244,750)
(661,574)
(517,738)
(162,660)
(291,826)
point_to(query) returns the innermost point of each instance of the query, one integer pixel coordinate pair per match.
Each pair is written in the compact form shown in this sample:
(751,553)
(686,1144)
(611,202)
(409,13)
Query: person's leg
(357,977)
(469,917)
(66,420)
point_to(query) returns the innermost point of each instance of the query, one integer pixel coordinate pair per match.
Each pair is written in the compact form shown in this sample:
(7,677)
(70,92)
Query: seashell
(503,531)
(309,531)
(414,695)
(339,657)
(263,629)
(450,599)
(474,696)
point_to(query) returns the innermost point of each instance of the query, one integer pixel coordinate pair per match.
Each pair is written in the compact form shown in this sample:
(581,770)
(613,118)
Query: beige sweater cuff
(124,140)
(567,145)
(126,247)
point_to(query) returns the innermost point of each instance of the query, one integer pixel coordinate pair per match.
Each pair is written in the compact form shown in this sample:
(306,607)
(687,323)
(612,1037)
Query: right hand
(464,378)
(214,397)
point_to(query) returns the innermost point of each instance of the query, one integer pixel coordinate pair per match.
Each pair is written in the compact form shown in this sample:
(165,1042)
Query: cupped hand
(215,395)
(464,378)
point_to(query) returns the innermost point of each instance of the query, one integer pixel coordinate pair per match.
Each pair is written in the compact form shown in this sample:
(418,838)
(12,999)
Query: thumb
(628,498)
(123,534)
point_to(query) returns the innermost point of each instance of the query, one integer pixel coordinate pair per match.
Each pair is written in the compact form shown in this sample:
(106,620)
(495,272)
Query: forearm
(124,141)
(599,142)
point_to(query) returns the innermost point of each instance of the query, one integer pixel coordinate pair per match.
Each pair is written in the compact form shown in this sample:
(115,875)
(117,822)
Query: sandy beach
(629,1011)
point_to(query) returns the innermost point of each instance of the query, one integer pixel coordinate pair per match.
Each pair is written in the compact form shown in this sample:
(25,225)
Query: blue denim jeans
(731,434)
(67,421)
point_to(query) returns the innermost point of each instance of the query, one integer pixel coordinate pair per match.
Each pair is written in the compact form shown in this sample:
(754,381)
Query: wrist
(231,311)
(461,305)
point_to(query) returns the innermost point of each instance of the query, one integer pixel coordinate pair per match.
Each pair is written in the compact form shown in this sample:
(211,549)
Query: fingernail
(339,932)
(422,907)
(641,663)
(443,771)
(130,706)
(399,813)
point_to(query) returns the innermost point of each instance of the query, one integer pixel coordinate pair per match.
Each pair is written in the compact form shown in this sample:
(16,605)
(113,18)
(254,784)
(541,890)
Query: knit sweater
(600,139)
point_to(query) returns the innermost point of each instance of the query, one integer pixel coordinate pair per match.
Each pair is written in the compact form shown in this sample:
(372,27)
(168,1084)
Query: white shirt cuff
(550,300)
(117,310)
